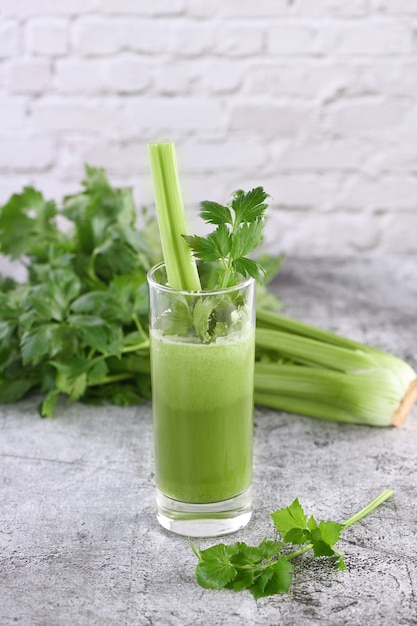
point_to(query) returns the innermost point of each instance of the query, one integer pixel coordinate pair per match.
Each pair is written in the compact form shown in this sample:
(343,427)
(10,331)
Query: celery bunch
(306,370)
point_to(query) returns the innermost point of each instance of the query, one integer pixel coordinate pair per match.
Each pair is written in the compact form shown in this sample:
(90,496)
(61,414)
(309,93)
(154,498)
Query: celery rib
(180,264)
(313,352)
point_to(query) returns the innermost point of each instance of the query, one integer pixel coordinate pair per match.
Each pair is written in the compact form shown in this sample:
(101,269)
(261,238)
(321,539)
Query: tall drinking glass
(202,361)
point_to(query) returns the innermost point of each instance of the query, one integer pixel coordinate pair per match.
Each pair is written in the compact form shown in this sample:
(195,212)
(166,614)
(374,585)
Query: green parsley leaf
(12,390)
(214,213)
(245,266)
(47,406)
(204,318)
(270,548)
(239,231)
(246,238)
(290,518)
(204,248)
(215,569)
(97,372)
(264,569)
(177,320)
(330,532)
(249,207)
(45,339)
(251,555)
(27,224)
(277,578)
(244,579)
(71,377)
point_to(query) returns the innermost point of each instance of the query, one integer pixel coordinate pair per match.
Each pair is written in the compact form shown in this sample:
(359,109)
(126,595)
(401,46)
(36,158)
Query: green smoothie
(203,416)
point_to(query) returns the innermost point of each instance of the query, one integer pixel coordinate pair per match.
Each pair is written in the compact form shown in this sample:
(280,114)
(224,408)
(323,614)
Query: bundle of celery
(78,326)
(305,370)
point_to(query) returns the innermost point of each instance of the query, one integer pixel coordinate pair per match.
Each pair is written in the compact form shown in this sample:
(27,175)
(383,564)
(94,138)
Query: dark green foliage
(71,328)
(239,231)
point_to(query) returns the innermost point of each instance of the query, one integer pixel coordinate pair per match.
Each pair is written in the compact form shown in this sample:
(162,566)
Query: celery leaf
(266,569)
(238,233)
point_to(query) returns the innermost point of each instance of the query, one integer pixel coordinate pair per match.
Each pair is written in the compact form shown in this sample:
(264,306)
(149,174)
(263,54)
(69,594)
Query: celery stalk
(179,261)
(312,352)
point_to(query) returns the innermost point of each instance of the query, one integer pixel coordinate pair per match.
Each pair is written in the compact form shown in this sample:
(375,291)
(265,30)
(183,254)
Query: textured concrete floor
(78,537)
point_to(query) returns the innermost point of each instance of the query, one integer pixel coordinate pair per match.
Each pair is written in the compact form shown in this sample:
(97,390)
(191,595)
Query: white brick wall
(314,99)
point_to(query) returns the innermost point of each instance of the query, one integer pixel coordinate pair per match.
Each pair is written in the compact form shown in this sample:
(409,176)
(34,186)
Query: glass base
(204,520)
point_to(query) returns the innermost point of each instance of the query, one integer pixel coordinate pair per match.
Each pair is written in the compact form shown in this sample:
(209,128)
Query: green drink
(203,408)
(202,395)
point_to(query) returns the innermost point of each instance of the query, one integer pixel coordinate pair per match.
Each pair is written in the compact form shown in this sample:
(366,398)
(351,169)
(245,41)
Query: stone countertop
(80,544)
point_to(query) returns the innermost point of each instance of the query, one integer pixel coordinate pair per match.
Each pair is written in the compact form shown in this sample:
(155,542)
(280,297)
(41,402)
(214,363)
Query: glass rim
(185,292)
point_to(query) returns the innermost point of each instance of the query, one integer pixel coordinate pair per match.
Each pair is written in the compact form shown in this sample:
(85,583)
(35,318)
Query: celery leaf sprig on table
(267,569)
(239,231)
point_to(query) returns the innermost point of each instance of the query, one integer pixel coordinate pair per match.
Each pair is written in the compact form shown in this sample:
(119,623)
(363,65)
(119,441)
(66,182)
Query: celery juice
(203,416)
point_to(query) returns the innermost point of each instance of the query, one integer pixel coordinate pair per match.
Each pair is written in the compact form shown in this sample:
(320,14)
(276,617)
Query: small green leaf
(91,302)
(14,390)
(223,240)
(330,532)
(95,332)
(27,224)
(43,340)
(71,377)
(251,555)
(288,518)
(261,580)
(321,548)
(271,265)
(246,238)
(249,206)
(97,372)
(297,536)
(279,579)
(243,580)
(114,344)
(214,213)
(340,564)
(214,570)
(245,266)
(204,248)
(203,318)
(47,406)
(270,548)
(177,320)
(324,537)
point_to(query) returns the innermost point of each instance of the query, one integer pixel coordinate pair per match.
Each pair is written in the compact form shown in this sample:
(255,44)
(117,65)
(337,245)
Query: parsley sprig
(267,569)
(239,230)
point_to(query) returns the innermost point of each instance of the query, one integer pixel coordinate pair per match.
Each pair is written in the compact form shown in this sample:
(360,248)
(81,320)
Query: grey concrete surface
(78,537)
